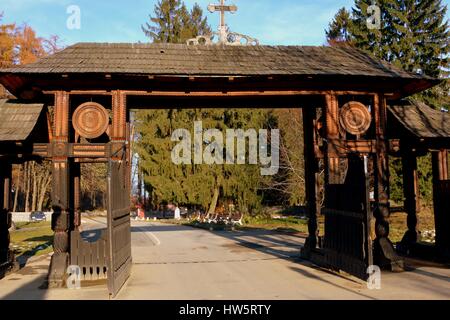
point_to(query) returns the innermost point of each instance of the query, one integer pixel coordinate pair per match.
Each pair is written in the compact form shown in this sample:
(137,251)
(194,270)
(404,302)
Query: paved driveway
(177,262)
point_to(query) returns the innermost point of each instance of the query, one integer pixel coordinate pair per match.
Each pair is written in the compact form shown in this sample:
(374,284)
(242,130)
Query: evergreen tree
(197,184)
(338,29)
(414,35)
(173,23)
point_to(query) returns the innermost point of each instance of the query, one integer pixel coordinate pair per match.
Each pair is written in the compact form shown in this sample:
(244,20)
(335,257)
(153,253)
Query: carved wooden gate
(119,236)
(90,257)
(347,243)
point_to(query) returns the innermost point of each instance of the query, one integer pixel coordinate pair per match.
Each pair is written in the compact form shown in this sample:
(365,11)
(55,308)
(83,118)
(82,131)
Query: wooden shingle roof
(215,60)
(421,120)
(17,120)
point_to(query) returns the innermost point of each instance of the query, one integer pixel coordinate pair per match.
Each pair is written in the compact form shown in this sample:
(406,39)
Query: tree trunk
(27,189)
(35,191)
(212,207)
(94,203)
(16,194)
(43,191)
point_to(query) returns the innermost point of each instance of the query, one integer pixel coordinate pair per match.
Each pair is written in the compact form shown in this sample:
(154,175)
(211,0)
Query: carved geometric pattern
(60,149)
(355,118)
(90,120)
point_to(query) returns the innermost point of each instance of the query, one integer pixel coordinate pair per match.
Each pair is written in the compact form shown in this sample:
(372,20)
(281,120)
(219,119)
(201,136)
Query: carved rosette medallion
(90,120)
(355,118)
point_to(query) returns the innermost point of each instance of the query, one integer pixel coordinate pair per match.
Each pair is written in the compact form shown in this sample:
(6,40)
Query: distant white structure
(177,215)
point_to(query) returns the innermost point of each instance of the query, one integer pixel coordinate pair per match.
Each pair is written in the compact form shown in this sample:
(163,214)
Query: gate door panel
(442,214)
(347,244)
(119,237)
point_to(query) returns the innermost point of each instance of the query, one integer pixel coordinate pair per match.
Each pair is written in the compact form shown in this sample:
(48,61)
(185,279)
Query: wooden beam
(332,133)
(83,92)
(242,93)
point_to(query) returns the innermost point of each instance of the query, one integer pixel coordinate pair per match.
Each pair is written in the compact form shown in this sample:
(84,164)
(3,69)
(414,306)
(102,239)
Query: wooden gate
(91,257)
(442,214)
(347,244)
(119,236)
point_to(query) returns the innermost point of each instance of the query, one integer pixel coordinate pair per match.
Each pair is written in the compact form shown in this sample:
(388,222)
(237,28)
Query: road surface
(177,262)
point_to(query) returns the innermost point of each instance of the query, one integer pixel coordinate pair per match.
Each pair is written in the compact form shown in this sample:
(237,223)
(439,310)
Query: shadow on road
(32,290)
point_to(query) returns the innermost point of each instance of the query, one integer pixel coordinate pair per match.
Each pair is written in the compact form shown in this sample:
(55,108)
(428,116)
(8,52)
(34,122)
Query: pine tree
(197,184)
(173,23)
(414,35)
(338,29)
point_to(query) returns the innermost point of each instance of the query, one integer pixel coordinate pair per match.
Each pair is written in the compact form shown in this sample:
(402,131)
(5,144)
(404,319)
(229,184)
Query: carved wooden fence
(91,257)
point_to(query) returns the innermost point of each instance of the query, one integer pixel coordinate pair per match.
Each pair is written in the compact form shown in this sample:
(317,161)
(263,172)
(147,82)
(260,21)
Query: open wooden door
(119,236)
(347,241)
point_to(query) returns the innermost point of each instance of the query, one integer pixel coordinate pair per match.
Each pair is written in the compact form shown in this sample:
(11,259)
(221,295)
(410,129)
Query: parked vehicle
(38,216)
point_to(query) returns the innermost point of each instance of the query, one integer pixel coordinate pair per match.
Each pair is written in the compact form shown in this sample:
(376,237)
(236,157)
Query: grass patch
(291,224)
(32,238)
(27,225)
(398,226)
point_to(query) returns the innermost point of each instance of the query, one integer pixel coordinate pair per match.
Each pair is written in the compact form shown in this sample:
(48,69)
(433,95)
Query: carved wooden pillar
(384,253)
(76,193)
(440,165)
(441,200)
(411,193)
(332,174)
(5,215)
(119,120)
(62,218)
(311,178)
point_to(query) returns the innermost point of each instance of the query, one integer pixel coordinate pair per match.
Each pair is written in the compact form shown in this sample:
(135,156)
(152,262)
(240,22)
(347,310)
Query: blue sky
(283,22)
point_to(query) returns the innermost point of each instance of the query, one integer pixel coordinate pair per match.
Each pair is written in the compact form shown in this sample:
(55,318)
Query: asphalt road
(177,262)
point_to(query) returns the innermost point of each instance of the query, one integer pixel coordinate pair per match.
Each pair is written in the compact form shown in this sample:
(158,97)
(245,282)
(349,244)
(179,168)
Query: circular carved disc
(90,120)
(355,118)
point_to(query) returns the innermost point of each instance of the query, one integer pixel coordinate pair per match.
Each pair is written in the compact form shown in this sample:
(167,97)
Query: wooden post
(411,193)
(441,195)
(119,236)
(311,178)
(440,165)
(5,217)
(384,253)
(119,116)
(62,213)
(76,193)
(332,175)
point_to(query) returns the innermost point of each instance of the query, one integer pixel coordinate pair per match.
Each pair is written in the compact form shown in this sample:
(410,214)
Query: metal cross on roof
(224,35)
(223,31)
